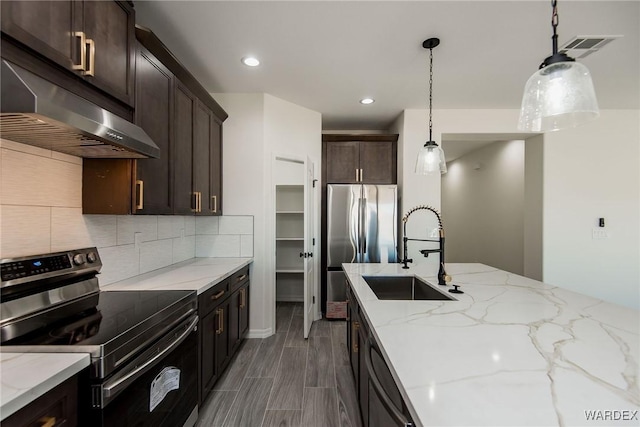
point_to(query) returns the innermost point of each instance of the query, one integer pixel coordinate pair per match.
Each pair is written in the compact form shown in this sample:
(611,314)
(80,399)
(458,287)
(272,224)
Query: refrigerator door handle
(353,231)
(365,226)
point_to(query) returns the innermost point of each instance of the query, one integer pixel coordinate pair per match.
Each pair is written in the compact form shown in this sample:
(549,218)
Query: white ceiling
(326,55)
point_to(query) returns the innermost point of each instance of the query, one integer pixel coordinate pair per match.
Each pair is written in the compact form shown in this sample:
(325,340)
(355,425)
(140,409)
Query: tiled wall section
(41,212)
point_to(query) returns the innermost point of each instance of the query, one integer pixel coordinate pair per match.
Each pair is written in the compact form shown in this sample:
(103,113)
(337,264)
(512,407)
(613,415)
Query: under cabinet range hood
(37,112)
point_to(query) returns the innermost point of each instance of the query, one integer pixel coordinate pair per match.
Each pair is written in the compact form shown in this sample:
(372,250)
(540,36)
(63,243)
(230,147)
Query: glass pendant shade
(560,95)
(431,160)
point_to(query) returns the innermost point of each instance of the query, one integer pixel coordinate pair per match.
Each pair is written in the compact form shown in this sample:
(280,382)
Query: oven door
(158,388)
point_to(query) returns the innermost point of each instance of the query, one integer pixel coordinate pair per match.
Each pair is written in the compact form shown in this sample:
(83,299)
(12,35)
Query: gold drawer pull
(217,296)
(220,329)
(140,184)
(47,421)
(354,337)
(214,202)
(83,52)
(92,58)
(242,298)
(241,278)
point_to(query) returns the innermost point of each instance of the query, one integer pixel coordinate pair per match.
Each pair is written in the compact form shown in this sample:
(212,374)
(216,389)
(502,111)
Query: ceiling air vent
(583,46)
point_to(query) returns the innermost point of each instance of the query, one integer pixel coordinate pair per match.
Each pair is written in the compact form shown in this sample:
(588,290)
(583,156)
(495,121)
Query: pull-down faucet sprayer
(443,277)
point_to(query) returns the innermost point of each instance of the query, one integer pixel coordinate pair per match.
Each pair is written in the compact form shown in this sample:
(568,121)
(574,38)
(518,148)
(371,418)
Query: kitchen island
(509,351)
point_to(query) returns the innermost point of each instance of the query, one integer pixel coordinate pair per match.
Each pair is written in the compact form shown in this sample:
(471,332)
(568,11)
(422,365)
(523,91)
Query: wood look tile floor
(287,381)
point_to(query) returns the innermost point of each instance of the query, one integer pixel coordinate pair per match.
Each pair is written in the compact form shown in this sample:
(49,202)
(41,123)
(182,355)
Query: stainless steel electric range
(143,344)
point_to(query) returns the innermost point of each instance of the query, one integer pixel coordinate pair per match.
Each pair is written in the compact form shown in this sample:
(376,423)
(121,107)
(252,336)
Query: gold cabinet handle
(47,421)
(195,202)
(199,201)
(220,321)
(354,337)
(361,179)
(214,202)
(92,58)
(356,175)
(217,296)
(140,185)
(242,298)
(83,52)
(241,278)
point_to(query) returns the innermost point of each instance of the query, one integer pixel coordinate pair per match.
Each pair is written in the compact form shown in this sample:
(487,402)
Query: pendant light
(560,94)
(431,157)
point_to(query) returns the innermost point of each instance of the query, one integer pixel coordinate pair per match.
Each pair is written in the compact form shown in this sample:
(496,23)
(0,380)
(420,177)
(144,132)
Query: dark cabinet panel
(202,158)
(359,159)
(343,162)
(363,376)
(378,162)
(110,25)
(215,185)
(224,322)
(154,100)
(185,107)
(45,26)
(94,40)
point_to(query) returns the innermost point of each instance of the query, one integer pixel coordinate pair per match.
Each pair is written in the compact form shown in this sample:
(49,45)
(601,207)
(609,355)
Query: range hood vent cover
(37,112)
(582,46)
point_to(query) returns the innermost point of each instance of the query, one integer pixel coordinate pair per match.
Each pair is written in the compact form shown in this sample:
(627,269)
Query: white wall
(533,206)
(259,127)
(588,172)
(483,201)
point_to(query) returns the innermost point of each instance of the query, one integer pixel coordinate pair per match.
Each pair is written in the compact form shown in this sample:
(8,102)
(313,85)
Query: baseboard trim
(259,333)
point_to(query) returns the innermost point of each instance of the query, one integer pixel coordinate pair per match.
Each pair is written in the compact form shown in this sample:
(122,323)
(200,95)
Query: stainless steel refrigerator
(362,227)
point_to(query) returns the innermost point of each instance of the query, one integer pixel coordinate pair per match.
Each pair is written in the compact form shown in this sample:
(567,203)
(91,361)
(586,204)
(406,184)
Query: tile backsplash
(41,212)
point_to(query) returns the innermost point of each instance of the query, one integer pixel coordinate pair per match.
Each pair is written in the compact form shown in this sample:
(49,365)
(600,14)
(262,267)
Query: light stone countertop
(26,376)
(510,350)
(195,274)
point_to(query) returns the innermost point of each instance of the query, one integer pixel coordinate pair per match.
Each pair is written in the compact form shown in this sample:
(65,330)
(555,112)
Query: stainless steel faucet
(443,277)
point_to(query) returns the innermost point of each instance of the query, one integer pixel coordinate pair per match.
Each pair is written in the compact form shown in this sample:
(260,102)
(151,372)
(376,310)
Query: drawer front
(213,297)
(239,278)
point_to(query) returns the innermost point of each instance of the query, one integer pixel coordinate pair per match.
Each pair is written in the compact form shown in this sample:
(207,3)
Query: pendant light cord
(430,93)
(554,25)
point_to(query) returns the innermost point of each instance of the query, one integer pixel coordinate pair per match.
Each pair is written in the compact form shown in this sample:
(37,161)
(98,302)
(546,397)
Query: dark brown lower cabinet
(58,407)
(224,322)
(380,401)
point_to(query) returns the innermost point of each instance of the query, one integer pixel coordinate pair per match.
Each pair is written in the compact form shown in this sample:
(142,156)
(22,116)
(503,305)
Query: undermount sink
(403,288)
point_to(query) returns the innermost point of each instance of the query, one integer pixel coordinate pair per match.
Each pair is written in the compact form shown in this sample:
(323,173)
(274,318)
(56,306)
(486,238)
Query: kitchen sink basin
(403,288)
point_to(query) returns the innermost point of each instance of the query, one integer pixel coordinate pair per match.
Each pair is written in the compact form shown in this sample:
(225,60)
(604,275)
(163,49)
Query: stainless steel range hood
(37,112)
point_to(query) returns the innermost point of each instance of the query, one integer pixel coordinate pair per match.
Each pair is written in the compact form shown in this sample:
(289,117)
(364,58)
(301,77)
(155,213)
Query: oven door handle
(110,389)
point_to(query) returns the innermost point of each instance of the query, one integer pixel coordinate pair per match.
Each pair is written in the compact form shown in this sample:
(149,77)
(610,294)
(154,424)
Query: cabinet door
(244,310)
(215,185)
(363,377)
(378,162)
(45,26)
(202,119)
(184,107)
(154,98)
(343,162)
(208,339)
(111,27)
(234,320)
(223,350)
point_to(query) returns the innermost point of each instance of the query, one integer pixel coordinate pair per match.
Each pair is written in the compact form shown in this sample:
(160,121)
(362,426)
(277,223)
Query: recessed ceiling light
(250,61)
(367,101)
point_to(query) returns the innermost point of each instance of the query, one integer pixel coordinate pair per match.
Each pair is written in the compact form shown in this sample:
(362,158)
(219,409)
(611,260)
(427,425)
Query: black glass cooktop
(116,315)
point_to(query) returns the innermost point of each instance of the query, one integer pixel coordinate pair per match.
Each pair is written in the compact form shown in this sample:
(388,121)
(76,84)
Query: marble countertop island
(510,351)
(195,274)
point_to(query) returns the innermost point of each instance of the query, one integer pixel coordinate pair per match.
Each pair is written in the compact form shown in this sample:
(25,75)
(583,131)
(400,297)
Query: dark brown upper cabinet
(360,159)
(186,124)
(94,40)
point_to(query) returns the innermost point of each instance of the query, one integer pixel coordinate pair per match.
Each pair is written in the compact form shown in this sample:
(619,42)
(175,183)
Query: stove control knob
(78,259)
(92,257)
